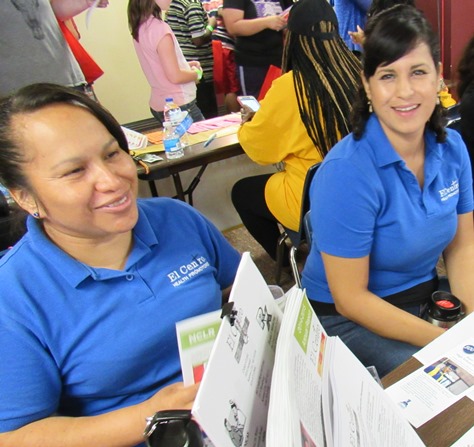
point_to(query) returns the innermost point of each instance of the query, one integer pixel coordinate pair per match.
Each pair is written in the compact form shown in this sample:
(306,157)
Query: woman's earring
(369,103)
(36,215)
(438,100)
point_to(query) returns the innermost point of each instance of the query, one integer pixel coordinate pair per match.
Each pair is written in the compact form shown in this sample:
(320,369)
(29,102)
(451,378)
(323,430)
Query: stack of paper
(280,381)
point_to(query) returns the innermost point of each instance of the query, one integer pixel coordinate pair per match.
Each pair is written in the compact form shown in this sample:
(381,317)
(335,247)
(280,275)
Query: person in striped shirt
(193,30)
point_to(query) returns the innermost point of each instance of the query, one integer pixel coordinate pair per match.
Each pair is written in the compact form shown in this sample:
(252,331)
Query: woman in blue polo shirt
(389,200)
(91,294)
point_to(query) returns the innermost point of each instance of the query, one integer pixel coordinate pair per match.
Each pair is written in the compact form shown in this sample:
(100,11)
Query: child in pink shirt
(161,59)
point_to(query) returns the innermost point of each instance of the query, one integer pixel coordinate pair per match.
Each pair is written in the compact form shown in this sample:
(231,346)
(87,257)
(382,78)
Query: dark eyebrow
(413,67)
(105,147)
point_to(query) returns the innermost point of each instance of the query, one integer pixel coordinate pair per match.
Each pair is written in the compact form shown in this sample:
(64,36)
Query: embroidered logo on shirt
(186,271)
(450,191)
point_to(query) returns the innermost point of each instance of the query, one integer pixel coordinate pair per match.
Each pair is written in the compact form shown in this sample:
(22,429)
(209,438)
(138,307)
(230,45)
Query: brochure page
(196,337)
(296,415)
(362,413)
(232,402)
(434,387)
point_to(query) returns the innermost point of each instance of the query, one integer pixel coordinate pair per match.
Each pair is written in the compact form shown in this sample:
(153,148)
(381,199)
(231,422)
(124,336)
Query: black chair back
(453,116)
(296,237)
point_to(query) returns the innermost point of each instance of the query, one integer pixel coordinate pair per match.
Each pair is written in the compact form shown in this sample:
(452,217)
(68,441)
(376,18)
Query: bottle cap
(444,306)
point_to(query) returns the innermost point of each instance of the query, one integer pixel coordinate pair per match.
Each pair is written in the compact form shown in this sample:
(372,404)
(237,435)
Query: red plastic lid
(445,304)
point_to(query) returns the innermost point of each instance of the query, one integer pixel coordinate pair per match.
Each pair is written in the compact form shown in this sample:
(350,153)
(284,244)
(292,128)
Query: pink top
(150,34)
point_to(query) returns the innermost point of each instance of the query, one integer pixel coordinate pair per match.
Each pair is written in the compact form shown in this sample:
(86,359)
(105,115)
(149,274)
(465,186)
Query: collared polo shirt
(365,201)
(78,341)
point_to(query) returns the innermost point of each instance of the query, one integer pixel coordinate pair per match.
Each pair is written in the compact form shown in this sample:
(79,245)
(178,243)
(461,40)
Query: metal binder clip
(229,311)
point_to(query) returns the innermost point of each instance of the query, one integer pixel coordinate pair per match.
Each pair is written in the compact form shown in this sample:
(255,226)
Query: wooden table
(196,155)
(448,426)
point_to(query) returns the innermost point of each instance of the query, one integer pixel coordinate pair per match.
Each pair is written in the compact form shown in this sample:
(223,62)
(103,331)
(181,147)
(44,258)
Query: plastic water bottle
(174,115)
(171,141)
(171,112)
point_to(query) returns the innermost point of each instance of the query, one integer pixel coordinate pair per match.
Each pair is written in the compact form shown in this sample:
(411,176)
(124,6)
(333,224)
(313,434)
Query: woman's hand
(358,36)
(276,23)
(100,4)
(212,21)
(172,397)
(195,64)
(247,114)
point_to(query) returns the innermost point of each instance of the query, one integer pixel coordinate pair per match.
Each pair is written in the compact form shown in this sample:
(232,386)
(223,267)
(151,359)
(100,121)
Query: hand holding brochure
(232,402)
(280,381)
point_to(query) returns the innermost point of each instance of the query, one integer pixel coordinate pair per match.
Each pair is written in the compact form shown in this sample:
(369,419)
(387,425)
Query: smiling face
(83,185)
(404,95)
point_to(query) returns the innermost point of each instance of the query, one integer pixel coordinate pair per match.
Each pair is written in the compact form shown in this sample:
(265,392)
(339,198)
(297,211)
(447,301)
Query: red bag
(88,66)
(272,73)
(219,84)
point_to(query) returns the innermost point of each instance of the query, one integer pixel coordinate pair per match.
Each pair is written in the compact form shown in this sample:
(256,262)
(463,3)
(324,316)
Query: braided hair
(326,74)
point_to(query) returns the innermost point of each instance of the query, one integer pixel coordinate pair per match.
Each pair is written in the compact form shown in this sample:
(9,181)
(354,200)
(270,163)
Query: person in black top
(257,27)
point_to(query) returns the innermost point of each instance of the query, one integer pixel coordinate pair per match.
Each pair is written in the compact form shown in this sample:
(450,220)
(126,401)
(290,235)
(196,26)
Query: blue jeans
(371,349)
(190,107)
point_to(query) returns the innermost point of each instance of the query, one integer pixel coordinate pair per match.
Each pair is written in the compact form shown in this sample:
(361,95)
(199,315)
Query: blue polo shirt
(81,341)
(365,201)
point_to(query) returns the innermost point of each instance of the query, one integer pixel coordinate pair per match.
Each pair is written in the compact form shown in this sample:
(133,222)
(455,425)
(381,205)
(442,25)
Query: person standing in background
(193,30)
(466,96)
(226,80)
(257,27)
(89,67)
(161,59)
(357,36)
(351,14)
(376,6)
(32,46)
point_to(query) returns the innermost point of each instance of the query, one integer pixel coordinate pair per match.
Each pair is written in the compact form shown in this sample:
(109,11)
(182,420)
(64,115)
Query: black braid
(325,76)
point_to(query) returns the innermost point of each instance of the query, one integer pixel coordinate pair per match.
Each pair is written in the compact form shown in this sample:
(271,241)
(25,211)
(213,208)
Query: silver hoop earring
(36,215)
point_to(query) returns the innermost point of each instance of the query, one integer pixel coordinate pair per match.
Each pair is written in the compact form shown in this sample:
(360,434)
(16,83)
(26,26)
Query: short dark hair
(380,5)
(31,99)
(389,35)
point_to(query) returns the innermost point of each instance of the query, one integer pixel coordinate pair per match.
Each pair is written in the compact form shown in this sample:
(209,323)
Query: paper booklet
(446,376)
(232,402)
(322,395)
(275,379)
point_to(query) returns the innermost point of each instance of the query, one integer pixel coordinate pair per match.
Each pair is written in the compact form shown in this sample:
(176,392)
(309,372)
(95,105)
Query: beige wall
(124,90)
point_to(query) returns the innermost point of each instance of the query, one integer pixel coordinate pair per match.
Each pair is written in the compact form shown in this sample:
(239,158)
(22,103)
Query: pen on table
(210,139)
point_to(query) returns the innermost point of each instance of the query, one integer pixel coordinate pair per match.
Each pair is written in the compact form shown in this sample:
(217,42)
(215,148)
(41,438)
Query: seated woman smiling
(389,199)
(91,294)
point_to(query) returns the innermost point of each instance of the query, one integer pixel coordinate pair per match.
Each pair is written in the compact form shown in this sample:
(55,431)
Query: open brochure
(446,376)
(232,402)
(276,380)
(330,398)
